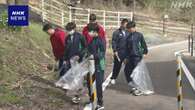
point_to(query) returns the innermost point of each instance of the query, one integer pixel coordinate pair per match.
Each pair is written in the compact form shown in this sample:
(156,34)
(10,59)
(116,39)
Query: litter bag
(73,79)
(141,78)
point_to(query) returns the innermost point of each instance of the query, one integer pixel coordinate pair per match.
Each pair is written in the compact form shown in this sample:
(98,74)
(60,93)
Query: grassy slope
(23,82)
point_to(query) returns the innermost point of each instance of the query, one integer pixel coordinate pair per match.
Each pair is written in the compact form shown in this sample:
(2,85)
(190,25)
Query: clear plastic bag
(73,79)
(141,78)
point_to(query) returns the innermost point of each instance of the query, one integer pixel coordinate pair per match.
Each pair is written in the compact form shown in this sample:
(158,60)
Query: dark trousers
(116,68)
(130,66)
(63,68)
(99,74)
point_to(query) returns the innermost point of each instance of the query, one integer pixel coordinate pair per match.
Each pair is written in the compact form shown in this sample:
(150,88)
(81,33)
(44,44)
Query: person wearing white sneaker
(119,49)
(136,49)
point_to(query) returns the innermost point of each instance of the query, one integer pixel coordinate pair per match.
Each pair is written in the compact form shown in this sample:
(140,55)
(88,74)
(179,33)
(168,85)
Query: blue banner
(18,15)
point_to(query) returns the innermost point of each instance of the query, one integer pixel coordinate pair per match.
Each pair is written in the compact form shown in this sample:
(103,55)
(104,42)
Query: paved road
(162,66)
(190,63)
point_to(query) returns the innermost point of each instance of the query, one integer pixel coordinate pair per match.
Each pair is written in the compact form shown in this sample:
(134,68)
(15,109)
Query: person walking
(119,49)
(97,49)
(136,48)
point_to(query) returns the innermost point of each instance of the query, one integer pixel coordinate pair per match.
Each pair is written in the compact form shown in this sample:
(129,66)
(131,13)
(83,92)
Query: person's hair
(92,17)
(93,27)
(46,27)
(124,21)
(131,24)
(70,26)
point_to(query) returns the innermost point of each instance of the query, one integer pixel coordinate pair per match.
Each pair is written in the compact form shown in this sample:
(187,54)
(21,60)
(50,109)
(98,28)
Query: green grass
(18,58)
(9,97)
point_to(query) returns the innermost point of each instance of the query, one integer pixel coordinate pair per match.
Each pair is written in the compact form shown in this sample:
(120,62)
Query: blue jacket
(136,45)
(75,46)
(119,42)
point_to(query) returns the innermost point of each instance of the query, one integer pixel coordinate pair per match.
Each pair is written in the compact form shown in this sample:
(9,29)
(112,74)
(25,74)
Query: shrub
(4,23)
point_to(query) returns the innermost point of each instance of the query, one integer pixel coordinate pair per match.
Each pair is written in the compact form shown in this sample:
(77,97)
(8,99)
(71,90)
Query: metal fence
(59,14)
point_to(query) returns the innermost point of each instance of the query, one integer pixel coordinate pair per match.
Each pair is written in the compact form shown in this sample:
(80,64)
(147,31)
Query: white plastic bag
(73,79)
(142,78)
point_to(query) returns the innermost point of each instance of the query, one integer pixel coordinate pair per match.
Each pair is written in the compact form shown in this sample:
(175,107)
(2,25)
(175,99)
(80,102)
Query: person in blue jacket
(97,49)
(119,48)
(136,48)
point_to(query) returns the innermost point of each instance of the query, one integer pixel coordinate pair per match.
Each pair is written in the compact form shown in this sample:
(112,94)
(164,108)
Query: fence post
(62,18)
(70,14)
(42,9)
(104,19)
(132,16)
(179,83)
(189,43)
(192,46)
(165,20)
(89,11)
(118,19)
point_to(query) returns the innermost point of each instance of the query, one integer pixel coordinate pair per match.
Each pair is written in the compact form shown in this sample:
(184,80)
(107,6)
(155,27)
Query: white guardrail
(59,14)
(182,68)
(185,69)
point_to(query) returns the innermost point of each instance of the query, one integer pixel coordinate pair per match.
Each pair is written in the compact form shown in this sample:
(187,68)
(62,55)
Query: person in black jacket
(97,49)
(75,44)
(75,49)
(119,48)
(136,48)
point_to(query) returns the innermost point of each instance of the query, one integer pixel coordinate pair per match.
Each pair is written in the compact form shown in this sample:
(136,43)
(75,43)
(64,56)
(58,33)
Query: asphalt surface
(161,63)
(190,63)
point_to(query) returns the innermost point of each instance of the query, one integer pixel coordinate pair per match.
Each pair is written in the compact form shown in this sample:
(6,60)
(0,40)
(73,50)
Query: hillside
(24,83)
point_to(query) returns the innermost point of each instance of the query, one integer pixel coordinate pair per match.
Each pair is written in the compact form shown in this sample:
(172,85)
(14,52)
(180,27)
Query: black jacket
(75,45)
(97,49)
(136,45)
(119,42)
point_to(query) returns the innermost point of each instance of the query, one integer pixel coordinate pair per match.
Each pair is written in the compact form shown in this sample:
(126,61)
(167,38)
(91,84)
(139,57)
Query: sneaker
(99,107)
(148,92)
(132,90)
(76,99)
(113,81)
(137,92)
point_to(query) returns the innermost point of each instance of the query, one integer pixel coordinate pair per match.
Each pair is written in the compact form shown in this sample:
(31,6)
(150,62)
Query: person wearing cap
(57,38)
(119,49)
(136,48)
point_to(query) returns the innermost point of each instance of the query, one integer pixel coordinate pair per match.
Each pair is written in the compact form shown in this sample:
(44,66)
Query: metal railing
(182,69)
(60,14)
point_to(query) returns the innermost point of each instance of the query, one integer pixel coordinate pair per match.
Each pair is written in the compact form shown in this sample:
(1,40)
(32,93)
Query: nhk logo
(181,4)
(18,15)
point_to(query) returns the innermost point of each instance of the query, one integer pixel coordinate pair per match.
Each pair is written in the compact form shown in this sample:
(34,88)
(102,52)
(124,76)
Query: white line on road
(167,45)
